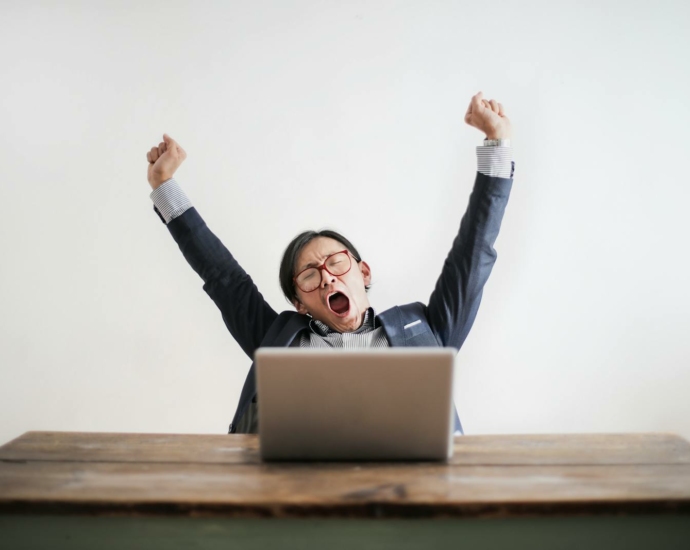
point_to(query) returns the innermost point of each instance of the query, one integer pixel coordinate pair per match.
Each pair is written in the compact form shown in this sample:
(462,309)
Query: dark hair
(292,252)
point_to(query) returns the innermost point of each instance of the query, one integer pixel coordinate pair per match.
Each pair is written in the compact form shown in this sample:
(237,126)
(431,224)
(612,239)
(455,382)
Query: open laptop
(361,404)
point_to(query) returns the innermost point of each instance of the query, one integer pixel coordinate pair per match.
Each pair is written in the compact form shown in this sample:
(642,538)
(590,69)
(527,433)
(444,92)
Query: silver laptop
(362,404)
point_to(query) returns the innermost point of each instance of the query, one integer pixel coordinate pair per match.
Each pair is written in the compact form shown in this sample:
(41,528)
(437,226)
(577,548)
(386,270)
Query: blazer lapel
(282,333)
(392,323)
(296,324)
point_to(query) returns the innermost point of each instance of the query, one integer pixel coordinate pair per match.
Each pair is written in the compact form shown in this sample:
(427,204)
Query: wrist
(503,142)
(498,135)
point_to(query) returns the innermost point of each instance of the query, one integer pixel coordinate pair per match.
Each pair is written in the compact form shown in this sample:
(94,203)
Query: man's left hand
(489,117)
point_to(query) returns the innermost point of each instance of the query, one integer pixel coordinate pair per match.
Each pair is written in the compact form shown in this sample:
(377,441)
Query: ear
(300,307)
(366,272)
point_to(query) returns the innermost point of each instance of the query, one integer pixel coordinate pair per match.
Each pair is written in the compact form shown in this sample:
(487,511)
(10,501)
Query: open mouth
(339,303)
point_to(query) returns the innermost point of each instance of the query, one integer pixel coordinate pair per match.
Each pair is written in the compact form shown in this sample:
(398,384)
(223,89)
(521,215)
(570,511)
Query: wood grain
(133,474)
(244,449)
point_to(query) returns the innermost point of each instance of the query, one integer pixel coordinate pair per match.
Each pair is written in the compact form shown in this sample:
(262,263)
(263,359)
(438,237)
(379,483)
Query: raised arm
(245,312)
(455,300)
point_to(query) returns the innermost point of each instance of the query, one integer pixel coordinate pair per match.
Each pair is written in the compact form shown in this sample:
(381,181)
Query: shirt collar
(370,323)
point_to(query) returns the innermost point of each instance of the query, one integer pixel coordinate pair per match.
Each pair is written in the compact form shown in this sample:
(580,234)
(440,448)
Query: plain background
(309,114)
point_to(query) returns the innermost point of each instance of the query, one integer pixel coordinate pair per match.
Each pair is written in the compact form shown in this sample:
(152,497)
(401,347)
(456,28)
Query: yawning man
(325,278)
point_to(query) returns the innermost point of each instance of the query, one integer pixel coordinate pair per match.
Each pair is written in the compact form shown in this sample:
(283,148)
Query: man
(323,276)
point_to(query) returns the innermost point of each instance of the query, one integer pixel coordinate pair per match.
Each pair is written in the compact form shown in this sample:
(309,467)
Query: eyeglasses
(338,263)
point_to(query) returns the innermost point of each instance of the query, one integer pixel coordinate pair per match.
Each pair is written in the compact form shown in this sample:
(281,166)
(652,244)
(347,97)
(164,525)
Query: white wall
(299,114)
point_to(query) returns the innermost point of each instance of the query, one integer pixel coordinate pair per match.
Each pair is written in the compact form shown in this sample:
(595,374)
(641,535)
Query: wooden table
(88,490)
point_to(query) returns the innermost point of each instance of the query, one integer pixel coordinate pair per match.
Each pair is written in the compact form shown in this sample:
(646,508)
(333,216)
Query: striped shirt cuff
(494,161)
(170,200)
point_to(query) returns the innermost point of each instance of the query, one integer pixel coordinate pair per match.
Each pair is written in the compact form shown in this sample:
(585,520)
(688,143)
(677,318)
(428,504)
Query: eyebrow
(314,264)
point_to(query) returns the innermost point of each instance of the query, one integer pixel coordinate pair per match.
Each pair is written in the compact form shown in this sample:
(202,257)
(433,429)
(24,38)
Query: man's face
(340,301)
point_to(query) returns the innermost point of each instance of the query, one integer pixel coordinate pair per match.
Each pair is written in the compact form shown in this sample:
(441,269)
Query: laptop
(360,404)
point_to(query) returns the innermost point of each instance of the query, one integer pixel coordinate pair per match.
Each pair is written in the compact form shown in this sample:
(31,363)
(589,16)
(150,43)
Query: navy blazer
(445,321)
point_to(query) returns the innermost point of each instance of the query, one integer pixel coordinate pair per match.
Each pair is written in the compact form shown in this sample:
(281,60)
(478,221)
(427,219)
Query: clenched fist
(489,117)
(164,160)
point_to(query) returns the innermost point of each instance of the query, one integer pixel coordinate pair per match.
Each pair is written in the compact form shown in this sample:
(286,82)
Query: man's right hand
(164,160)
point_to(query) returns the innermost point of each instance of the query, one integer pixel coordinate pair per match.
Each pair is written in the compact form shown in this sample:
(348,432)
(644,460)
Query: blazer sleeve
(455,300)
(245,312)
